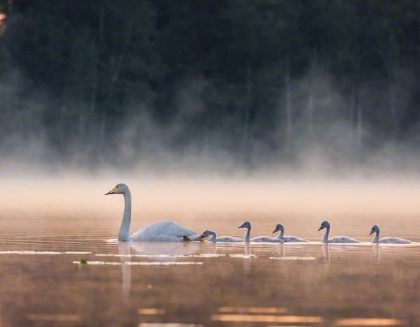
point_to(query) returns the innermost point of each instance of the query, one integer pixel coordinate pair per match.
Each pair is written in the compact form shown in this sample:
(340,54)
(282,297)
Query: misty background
(210,85)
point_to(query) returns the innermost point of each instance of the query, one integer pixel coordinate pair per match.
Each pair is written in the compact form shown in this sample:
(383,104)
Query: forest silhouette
(249,82)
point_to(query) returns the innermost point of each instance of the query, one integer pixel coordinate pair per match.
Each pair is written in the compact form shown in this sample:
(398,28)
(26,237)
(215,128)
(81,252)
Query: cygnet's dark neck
(377,236)
(327,233)
(248,234)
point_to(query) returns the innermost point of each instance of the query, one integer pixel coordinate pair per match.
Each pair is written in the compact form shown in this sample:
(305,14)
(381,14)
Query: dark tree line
(258,80)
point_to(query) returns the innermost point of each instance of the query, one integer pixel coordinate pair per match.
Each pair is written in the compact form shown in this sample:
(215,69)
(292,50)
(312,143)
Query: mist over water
(327,144)
(275,198)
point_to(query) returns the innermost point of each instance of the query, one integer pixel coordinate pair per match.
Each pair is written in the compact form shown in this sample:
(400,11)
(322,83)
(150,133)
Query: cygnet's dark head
(205,234)
(246,224)
(279,227)
(375,229)
(325,224)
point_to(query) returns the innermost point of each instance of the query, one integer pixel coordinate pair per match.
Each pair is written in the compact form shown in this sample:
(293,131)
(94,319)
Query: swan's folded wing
(178,230)
(164,231)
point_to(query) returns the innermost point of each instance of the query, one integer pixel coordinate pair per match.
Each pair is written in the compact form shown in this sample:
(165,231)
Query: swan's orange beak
(320,228)
(112,191)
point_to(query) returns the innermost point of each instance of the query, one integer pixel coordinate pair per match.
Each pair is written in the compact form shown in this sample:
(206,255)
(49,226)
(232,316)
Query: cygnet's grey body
(338,239)
(213,237)
(386,240)
(280,228)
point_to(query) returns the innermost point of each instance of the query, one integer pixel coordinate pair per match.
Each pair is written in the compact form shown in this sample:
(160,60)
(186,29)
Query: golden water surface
(60,264)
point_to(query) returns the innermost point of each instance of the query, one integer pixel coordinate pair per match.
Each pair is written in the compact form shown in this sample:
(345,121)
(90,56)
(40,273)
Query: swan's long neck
(377,236)
(327,233)
(213,237)
(281,235)
(248,234)
(124,233)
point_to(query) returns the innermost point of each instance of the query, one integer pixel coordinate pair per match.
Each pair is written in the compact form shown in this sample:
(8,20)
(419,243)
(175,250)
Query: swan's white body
(215,239)
(165,231)
(260,239)
(280,227)
(386,240)
(337,239)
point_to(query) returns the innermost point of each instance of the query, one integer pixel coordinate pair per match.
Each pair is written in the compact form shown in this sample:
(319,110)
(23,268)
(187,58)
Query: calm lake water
(202,284)
(193,284)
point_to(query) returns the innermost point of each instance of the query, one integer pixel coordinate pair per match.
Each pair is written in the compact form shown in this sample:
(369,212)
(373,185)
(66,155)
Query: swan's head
(246,224)
(325,224)
(375,229)
(279,227)
(119,189)
(205,234)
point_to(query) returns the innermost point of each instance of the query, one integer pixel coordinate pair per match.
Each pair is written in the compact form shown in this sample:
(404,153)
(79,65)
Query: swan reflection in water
(124,252)
(155,252)
(172,252)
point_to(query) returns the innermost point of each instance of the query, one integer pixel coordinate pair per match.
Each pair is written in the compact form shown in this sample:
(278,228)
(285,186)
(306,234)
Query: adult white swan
(213,237)
(165,231)
(266,239)
(337,239)
(280,228)
(388,240)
